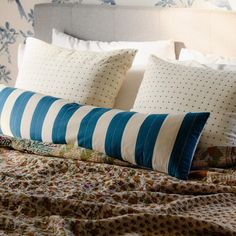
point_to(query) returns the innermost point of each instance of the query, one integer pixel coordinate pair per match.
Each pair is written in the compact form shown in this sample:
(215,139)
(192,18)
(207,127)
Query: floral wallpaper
(17,21)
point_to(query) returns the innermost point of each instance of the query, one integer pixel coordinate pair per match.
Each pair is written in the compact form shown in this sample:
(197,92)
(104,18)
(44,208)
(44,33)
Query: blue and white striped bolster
(162,142)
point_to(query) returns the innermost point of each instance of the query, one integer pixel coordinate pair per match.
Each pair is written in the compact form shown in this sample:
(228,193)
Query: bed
(53,189)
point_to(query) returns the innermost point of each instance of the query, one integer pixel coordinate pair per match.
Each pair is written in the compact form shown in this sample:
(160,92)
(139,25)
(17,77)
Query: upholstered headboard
(207,31)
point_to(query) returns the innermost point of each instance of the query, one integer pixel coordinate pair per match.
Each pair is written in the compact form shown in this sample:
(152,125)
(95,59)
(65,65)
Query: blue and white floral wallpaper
(17,20)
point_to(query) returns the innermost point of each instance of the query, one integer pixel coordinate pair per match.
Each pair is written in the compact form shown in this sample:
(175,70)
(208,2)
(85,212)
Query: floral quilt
(48,189)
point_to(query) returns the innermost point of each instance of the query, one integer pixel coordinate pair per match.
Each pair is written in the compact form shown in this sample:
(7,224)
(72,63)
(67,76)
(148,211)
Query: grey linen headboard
(207,31)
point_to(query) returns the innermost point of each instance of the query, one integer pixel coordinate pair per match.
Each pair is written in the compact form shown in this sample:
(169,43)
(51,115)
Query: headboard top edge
(129,7)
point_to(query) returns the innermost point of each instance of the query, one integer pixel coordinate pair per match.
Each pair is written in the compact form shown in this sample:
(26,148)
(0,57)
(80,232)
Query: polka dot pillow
(169,87)
(91,78)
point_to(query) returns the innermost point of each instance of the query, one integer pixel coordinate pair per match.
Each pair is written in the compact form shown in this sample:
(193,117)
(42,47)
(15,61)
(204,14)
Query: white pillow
(92,78)
(221,67)
(170,87)
(192,55)
(164,49)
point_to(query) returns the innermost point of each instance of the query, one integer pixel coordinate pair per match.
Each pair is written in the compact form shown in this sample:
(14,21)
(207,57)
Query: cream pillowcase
(170,87)
(92,78)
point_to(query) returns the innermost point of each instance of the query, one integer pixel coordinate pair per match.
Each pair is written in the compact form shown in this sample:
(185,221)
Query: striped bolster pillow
(163,142)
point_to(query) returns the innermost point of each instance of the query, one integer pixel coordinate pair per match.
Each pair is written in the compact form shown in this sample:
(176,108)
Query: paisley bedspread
(59,190)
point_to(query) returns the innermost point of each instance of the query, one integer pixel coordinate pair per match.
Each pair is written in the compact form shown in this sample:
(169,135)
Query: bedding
(193,55)
(20,55)
(220,67)
(163,142)
(92,78)
(163,48)
(129,88)
(214,157)
(49,189)
(169,87)
(126,97)
(222,64)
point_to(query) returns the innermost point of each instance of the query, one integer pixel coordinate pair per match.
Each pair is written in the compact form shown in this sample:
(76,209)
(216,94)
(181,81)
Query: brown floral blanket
(62,190)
